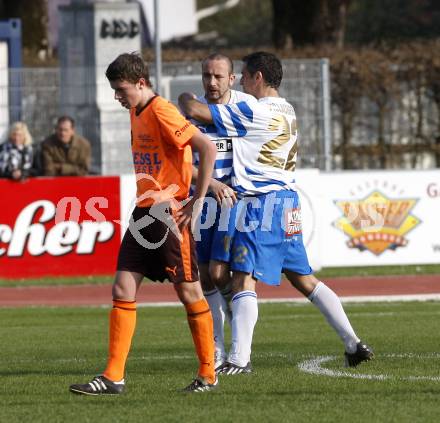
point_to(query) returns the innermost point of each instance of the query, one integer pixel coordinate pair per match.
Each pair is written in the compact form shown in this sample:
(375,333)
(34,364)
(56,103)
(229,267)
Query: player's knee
(205,278)
(207,284)
(219,274)
(242,282)
(188,292)
(303,283)
(220,279)
(120,292)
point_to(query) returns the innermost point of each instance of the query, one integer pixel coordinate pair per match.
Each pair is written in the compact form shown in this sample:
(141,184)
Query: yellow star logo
(376,223)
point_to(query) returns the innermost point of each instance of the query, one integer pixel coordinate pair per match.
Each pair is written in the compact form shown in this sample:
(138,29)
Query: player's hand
(190,211)
(183,101)
(223,193)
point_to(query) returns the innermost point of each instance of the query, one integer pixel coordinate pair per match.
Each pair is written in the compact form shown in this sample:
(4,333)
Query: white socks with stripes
(218,307)
(244,318)
(330,306)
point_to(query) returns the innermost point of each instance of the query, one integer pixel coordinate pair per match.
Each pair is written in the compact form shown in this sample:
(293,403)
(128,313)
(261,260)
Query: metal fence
(46,93)
(305,85)
(405,134)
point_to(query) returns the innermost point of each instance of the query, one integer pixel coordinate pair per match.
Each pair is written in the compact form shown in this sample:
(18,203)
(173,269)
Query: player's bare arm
(194,108)
(195,175)
(207,152)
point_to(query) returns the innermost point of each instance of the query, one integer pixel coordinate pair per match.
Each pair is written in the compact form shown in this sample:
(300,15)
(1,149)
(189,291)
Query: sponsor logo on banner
(433,190)
(376,222)
(59,226)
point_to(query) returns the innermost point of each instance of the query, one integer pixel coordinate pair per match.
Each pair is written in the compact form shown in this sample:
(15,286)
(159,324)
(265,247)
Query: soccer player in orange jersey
(158,243)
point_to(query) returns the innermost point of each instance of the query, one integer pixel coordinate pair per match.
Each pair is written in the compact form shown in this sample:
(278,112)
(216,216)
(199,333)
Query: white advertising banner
(128,199)
(381,218)
(359,218)
(308,185)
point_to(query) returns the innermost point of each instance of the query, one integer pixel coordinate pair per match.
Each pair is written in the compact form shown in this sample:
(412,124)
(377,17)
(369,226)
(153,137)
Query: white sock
(244,318)
(226,293)
(330,306)
(218,306)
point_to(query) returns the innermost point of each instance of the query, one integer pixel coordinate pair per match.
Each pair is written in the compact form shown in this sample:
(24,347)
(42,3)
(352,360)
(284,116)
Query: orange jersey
(162,154)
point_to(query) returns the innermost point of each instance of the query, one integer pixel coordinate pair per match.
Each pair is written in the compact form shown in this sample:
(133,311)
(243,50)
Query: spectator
(65,153)
(17,153)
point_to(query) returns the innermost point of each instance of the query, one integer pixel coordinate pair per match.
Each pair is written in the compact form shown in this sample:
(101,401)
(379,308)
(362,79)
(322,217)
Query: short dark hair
(128,67)
(268,64)
(219,56)
(66,118)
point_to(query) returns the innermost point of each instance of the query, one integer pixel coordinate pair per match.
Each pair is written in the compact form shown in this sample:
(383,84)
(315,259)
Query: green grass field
(43,350)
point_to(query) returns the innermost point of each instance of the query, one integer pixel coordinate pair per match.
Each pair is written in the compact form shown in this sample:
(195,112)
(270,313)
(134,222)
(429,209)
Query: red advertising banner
(59,226)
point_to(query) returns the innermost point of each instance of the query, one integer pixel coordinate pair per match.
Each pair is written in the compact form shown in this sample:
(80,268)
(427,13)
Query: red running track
(88,295)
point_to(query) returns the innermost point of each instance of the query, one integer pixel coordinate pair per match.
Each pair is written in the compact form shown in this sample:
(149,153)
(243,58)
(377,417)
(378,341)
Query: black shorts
(157,253)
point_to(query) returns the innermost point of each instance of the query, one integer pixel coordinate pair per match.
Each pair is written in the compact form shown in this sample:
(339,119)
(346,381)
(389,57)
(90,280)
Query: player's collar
(271,100)
(147,104)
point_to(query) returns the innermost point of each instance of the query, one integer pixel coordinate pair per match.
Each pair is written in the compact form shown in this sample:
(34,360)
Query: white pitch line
(292,316)
(313,366)
(352,299)
(310,365)
(390,298)
(139,358)
(362,299)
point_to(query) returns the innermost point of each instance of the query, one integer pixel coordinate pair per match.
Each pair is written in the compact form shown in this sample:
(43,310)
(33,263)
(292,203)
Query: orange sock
(200,323)
(122,325)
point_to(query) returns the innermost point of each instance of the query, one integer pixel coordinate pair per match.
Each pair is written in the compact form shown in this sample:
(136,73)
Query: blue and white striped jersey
(223,163)
(264,155)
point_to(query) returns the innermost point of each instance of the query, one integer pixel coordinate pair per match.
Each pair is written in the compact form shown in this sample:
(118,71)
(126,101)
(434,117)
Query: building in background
(177,19)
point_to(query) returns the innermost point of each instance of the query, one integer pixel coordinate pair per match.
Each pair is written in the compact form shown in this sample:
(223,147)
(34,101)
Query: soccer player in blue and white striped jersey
(213,240)
(264,158)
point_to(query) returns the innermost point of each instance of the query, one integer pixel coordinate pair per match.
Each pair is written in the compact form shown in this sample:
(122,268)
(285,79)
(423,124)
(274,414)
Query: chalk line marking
(314,366)
(353,299)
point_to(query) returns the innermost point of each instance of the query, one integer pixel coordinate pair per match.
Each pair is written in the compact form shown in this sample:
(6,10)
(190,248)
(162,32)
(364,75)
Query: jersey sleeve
(236,120)
(175,128)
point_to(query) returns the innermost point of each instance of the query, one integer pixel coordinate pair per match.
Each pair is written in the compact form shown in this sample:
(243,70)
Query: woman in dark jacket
(17,153)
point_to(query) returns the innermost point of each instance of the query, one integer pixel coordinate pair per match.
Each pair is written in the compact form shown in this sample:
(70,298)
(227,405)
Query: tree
(375,21)
(302,22)
(33,15)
